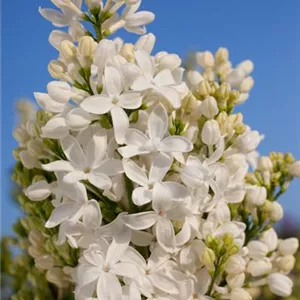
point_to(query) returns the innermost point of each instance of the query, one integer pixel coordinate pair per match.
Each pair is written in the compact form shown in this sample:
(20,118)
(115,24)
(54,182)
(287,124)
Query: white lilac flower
(70,10)
(92,164)
(99,267)
(167,205)
(163,82)
(159,167)
(157,140)
(114,100)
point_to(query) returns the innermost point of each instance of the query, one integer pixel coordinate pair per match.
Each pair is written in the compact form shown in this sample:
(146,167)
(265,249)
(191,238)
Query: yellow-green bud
(204,89)
(208,258)
(56,69)
(68,50)
(127,51)
(224,90)
(222,55)
(86,46)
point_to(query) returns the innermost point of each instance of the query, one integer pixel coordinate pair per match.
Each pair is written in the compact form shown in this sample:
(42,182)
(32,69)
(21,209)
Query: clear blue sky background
(266,31)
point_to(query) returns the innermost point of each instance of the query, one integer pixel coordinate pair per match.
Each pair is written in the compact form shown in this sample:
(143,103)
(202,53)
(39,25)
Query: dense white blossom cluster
(152,167)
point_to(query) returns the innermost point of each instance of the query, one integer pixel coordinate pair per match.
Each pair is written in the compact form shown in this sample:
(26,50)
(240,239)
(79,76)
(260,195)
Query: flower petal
(135,173)
(59,91)
(113,81)
(55,128)
(46,102)
(145,63)
(101,181)
(165,234)
(57,36)
(171,95)
(158,122)
(110,167)
(62,213)
(96,148)
(97,104)
(140,221)
(74,176)
(130,100)
(159,168)
(92,216)
(175,144)
(78,119)
(38,191)
(57,18)
(141,196)
(120,123)
(58,165)
(164,77)
(73,151)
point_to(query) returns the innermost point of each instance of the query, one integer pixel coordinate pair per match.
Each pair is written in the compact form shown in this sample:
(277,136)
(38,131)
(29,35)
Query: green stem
(129,190)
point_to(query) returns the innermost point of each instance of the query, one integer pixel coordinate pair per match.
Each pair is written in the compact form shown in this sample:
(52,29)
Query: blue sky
(266,32)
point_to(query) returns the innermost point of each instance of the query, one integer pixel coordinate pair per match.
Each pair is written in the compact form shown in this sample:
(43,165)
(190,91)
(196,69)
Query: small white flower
(137,143)
(160,166)
(114,100)
(162,83)
(91,164)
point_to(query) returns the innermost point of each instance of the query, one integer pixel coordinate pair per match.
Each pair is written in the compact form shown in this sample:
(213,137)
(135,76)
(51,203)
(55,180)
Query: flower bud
(209,107)
(56,69)
(256,195)
(257,250)
(205,59)
(235,77)
(36,251)
(204,88)
(127,51)
(247,84)
(270,238)
(247,66)
(286,263)
(275,212)
(35,147)
(240,294)
(68,50)
(265,163)
(86,46)
(208,257)
(248,141)
(280,284)
(259,267)
(21,135)
(222,55)
(146,42)
(294,169)
(288,246)
(169,61)
(211,133)
(235,281)
(35,237)
(44,262)
(93,4)
(28,160)
(235,264)
(224,90)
